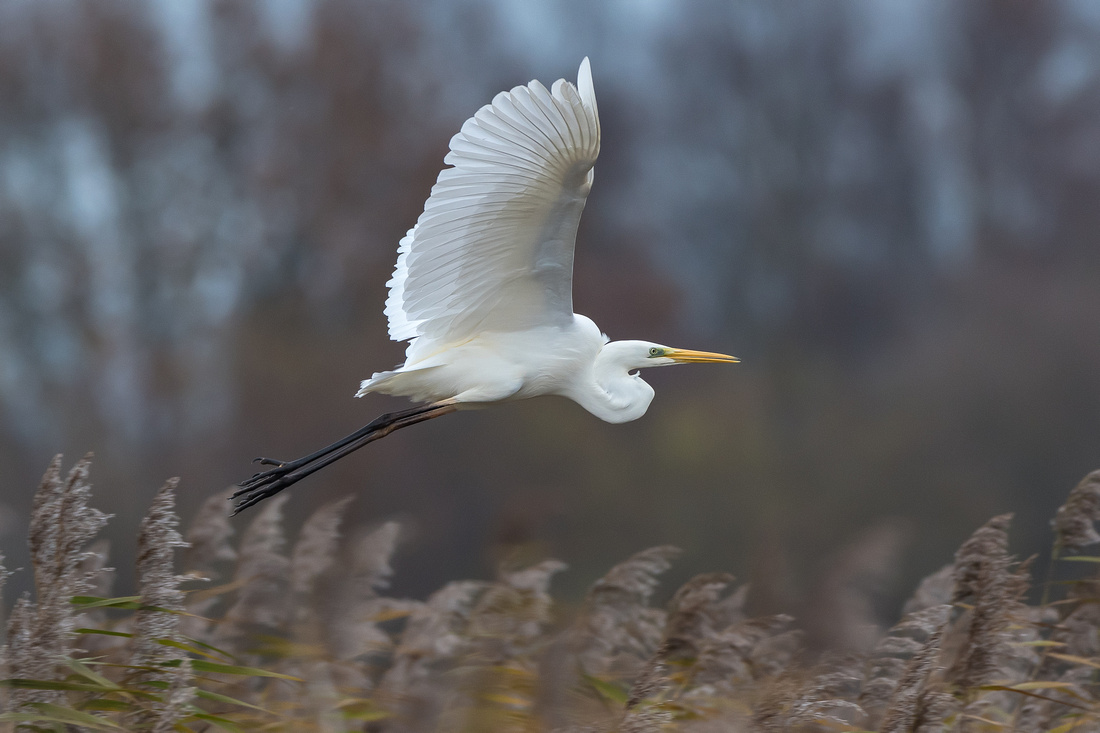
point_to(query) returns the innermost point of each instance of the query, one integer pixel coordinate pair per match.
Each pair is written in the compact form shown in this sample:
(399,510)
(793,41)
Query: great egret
(483,283)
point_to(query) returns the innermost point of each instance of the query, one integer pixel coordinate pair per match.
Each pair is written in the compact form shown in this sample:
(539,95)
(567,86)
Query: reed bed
(268,634)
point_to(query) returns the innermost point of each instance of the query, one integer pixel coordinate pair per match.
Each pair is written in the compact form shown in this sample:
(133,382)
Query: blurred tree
(887,209)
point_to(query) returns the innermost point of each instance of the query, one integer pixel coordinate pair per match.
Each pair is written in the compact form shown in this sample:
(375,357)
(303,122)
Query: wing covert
(493,249)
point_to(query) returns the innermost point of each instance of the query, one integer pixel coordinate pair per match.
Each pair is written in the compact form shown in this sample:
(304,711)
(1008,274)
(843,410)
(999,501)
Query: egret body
(483,285)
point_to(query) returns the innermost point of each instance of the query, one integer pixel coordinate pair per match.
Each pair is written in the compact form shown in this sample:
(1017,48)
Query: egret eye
(655,351)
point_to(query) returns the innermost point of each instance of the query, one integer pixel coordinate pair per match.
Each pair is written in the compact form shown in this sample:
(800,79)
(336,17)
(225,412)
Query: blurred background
(887,210)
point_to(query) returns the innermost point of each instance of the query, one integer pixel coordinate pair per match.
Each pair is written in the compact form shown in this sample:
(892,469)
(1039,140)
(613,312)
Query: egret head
(642,354)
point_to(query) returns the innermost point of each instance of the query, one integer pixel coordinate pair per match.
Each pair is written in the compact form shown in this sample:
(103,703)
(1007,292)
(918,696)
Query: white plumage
(483,282)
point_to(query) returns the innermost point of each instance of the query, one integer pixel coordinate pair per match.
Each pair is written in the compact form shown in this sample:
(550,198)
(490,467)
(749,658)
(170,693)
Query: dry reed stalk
(644,720)
(4,572)
(772,706)
(776,653)
(208,535)
(708,639)
(496,682)
(1046,713)
(94,566)
(1079,629)
(312,560)
(511,615)
(262,573)
(321,697)
(62,523)
(20,653)
(350,619)
(652,680)
(996,619)
(916,700)
(742,653)
(934,706)
(820,716)
(110,649)
(415,687)
(984,554)
(815,700)
(322,622)
(695,615)
(315,551)
(839,676)
(899,667)
(892,662)
(169,670)
(372,556)
(617,631)
(1077,636)
(1074,524)
(642,715)
(983,578)
(4,674)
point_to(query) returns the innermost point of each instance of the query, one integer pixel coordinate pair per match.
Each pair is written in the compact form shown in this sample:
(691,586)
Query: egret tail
(287,473)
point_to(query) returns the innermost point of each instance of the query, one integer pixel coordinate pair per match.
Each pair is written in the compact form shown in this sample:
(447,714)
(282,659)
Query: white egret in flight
(483,283)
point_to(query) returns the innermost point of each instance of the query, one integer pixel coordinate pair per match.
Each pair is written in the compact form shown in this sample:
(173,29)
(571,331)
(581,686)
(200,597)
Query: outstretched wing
(493,250)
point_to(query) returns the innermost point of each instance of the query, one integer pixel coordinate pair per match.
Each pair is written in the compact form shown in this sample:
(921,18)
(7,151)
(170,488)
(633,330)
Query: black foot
(287,473)
(262,485)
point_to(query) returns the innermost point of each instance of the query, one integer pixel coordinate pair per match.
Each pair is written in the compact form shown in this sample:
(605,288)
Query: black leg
(286,473)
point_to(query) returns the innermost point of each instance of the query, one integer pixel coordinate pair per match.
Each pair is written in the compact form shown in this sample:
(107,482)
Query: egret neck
(616,393)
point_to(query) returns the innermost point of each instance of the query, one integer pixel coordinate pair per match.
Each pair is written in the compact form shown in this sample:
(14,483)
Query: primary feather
(493,250)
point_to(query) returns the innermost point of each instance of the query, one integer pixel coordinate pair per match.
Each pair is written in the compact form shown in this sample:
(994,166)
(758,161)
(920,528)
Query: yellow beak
(699,357)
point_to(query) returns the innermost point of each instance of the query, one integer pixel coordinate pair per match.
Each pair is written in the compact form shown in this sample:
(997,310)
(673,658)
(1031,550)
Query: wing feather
(493,249)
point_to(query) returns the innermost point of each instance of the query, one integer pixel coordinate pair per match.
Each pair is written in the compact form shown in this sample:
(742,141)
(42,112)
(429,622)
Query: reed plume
(157,623)
(313,640)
